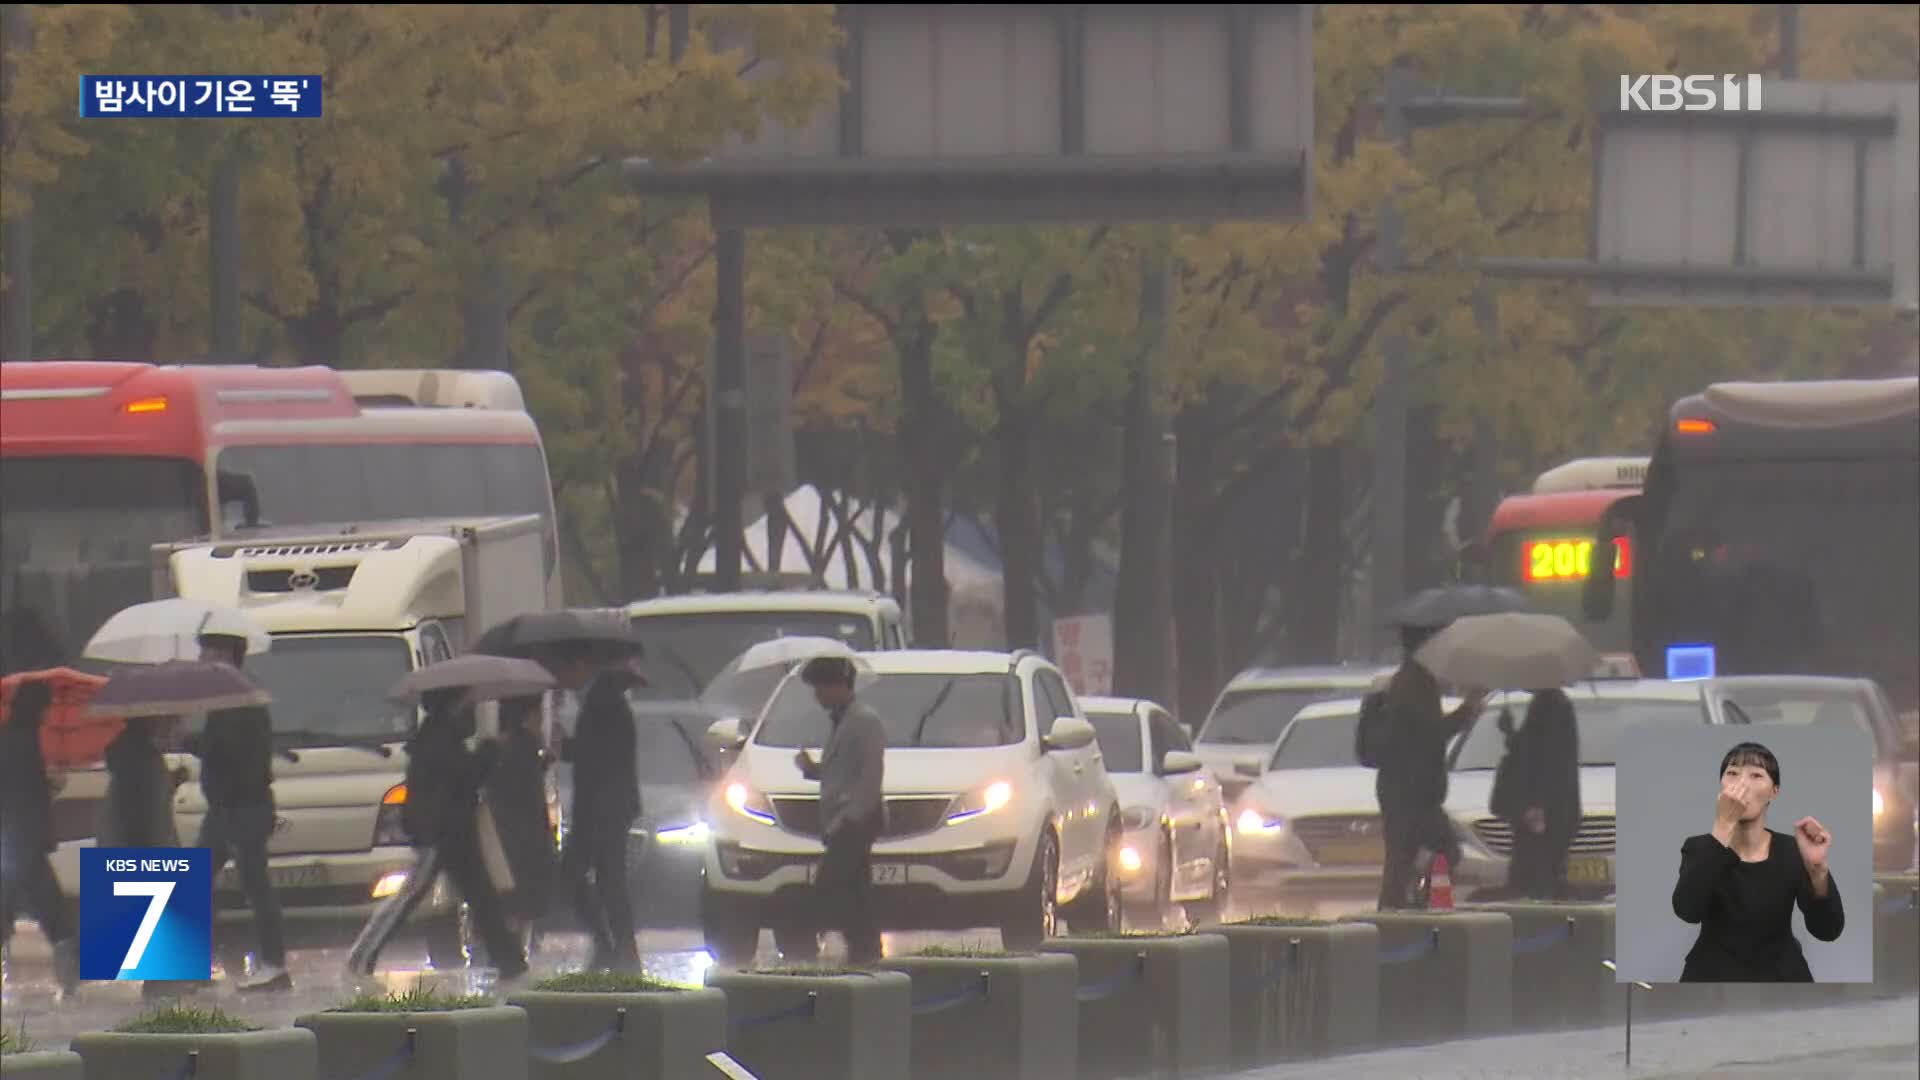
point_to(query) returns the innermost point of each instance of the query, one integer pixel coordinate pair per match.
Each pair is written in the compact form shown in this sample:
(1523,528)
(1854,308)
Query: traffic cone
(1439,886)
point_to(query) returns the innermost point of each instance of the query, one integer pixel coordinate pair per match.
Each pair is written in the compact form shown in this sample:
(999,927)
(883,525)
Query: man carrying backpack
(1409,750)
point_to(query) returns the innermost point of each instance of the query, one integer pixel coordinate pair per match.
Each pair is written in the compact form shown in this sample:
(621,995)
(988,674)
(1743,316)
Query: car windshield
(1800,707)
(918,709)
(697,645)
(1318,742)
(333,688)
(667,750)
(1119,737)
(1256,717)
(1599,721)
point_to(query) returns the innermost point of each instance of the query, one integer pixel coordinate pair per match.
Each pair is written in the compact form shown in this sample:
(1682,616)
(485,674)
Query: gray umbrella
(1509,651)
(484,678)
(1433,608)
(176,688)
(541,633)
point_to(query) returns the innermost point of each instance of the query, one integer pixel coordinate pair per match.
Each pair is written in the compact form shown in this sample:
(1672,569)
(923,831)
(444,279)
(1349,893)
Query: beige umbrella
(1509,651)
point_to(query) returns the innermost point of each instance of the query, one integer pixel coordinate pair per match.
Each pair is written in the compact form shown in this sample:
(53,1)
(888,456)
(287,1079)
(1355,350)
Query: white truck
(351,610)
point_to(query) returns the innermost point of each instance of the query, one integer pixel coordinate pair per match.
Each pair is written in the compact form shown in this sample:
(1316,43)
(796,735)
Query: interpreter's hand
(1535,820)
(1814,840)
(1731,806)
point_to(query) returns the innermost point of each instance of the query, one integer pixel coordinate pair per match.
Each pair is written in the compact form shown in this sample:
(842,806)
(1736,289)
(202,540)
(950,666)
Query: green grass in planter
(1129,935)
(606,982)
(15,1041)
(1283,920)
(966,952)
(186,1020)
(416,1000)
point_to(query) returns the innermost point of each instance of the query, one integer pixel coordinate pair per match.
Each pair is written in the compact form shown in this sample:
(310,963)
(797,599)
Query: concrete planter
(458,1044)
(1302,991)
(282,1053)
(1446,974)
(819,1027)
(1560,977)
(1896,935)
(42,1065)
(1151,1005)
(621,1036)
(1000,1016)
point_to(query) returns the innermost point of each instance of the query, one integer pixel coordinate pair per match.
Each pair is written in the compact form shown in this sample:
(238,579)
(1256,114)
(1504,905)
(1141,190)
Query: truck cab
(690,638)
(350,611)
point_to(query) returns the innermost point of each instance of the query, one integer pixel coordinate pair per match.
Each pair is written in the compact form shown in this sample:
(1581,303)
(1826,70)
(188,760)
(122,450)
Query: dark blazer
(1745,911)
(236,757)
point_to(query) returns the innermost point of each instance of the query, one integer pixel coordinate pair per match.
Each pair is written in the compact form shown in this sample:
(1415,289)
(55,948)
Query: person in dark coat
(606,800)
(138,810)
(26,831)
(517,795)
(1741,881)
(1545,796)
(444,780)
(236,776)
(1411,782)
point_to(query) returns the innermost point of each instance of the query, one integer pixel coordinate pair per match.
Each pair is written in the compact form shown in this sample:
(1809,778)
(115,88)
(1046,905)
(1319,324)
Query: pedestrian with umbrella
(26,831)
(164,630)
(591,657)
(444,781)
(235,749)
(1537,786)
(1411,781)
(517,796)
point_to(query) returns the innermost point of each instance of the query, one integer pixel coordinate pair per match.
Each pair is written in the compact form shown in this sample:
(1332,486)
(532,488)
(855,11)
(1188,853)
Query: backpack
(1371,736)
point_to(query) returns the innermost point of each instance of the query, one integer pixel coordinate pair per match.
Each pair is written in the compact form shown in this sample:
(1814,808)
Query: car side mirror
(1248,769)
(1069,733)
(1179,763)
(725,735)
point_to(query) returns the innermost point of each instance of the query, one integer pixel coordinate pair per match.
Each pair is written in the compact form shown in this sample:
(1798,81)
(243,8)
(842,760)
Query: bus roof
(430,388)
(56,407)
(1590,474)
(1809,404)
(1558,510)
(386,425)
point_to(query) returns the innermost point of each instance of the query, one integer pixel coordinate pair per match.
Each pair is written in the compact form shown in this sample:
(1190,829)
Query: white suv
(999,811)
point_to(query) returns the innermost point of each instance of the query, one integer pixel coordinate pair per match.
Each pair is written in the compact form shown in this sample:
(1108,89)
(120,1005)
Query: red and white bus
(1542,542)
(101,460)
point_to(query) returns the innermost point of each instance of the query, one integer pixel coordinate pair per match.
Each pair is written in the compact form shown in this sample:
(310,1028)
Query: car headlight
(1256,822)
(1138,817)
(1879,804)
(692,835)
(984,800)
(749,803)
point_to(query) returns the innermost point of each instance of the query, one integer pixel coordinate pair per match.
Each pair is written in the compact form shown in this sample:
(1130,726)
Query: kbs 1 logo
(146,913)
(1693,93)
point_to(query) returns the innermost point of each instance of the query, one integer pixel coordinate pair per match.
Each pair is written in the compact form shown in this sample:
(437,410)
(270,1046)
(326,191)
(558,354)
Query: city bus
(1542,542)
(100,460)
(1778,533)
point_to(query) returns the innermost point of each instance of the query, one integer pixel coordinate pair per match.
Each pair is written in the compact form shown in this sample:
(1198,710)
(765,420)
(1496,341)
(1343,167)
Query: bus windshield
(78,530)
(1788,566)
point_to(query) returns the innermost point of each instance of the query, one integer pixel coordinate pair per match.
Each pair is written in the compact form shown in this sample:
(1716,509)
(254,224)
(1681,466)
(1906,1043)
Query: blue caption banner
(105,96)
(146,913)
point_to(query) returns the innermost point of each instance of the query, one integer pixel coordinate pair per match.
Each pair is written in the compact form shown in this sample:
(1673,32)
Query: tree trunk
(927,461)
(1195,565)
(1315,598)
(1017,524)
(1433,475)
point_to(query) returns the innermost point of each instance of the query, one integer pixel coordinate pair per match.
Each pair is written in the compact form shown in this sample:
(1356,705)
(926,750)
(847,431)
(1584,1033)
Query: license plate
(1589,871)
(1357,853)
(881,873)
(293,877)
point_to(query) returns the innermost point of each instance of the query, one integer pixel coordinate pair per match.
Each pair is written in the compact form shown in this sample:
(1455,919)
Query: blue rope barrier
(1107,988)
(802,1011)
(1406,954)
(582,1050)
(939,1003)
(1545,941)
(401,1059)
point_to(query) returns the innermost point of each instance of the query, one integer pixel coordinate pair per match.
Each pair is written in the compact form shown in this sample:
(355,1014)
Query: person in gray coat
(849,772)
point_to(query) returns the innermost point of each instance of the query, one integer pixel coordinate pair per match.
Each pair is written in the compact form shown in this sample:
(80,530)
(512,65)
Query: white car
(1309,828)
(1601,709)
(999,812)
(1176,848)
(1257,704)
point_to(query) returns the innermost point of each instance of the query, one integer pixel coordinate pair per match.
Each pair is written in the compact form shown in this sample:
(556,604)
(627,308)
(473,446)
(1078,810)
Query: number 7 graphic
(157,894)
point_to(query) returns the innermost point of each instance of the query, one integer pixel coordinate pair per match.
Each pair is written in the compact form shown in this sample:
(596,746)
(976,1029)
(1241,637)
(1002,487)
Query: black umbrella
(542,633)
(1433,608)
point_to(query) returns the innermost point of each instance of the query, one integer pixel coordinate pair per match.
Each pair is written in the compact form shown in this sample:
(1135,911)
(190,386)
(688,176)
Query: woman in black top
(1542,804)
(1741,881)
